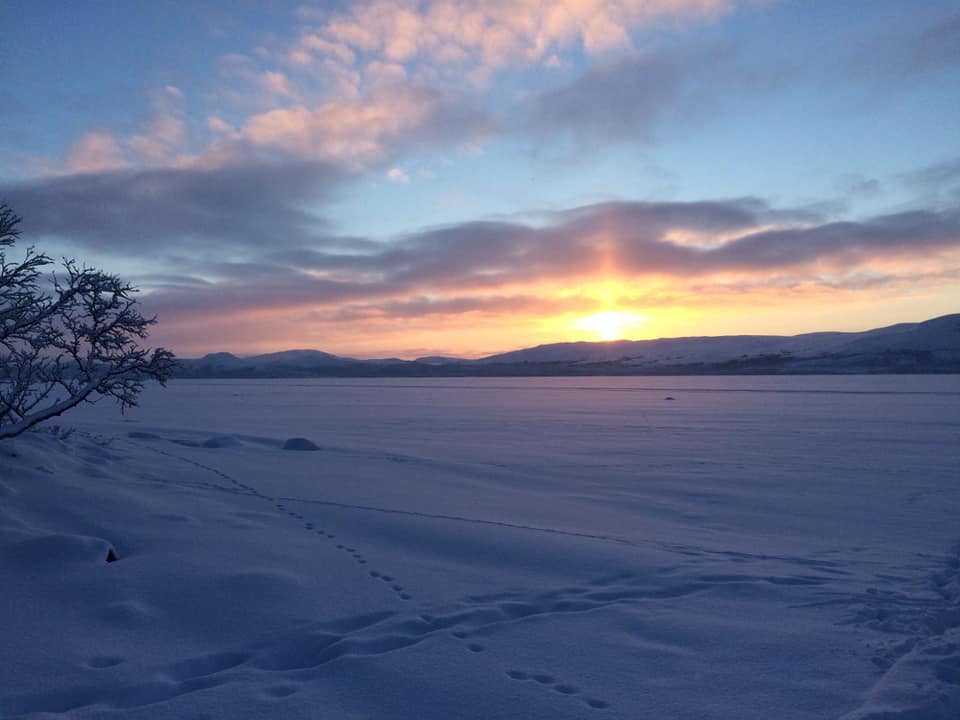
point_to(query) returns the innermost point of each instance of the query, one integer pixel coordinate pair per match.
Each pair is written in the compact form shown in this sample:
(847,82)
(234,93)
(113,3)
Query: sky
(410,178)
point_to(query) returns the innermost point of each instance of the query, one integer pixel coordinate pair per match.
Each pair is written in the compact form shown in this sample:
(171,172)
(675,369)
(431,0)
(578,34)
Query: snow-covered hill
(287,360)
(939,334)
(931,346)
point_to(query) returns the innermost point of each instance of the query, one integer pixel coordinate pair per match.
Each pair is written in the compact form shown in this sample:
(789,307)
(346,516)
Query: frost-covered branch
(74,342)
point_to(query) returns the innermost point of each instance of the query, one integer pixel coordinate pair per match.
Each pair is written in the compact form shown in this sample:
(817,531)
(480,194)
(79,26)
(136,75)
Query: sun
(610,325)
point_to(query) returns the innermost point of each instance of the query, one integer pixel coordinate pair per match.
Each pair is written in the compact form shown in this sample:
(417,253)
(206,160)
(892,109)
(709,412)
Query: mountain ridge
(928,346)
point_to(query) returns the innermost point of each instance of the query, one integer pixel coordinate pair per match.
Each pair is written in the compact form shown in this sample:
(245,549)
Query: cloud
(626,100)
(161,138)
(938,184)
(937,175)
(155,142)
(418,307)
(372,128)
(96,151)
(146,211)
(397,175)
(385,72)
(895,58)
(250,243)
(479,266)
(843,244)
(164,132)
(493,33)
(314,43)
(857,185)
(274,83)
(219,125)
(234,248)
(371,81)
(937,45)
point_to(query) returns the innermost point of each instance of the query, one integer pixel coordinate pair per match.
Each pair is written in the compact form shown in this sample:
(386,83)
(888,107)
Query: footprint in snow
(354,552)
(548,681)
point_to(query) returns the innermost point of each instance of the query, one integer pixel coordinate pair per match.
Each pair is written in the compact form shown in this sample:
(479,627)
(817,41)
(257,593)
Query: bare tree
(66,339)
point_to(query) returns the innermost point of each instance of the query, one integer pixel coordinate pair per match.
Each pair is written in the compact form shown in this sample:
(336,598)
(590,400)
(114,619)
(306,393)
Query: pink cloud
(275,83)
(397,175)
(219,125)
(96,151)
(495,32)
(159,141)
(315,43)
(380,72)
(355,130)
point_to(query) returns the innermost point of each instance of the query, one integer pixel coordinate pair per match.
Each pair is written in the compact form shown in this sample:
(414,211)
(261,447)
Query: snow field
(572,548)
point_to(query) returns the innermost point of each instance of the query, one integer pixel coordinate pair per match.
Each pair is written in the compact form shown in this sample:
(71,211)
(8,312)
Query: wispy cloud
(624,99)
(937,45)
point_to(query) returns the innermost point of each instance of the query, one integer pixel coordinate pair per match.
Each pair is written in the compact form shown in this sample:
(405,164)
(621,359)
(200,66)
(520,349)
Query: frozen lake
(671,547)
(512,419)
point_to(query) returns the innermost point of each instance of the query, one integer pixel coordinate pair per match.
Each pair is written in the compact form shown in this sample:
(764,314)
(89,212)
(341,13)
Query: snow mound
(140,435)
(53,552)
(299,443)
(923,678)
(910,691)
(221,441)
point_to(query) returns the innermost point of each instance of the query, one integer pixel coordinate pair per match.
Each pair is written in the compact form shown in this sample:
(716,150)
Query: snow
(757,547)
(300,443)
(940,334)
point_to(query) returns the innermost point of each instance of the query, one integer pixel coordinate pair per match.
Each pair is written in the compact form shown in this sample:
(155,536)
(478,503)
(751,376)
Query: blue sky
(328,175)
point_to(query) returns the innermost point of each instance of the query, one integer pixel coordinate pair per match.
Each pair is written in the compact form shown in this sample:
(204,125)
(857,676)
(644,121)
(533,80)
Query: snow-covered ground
(532,548)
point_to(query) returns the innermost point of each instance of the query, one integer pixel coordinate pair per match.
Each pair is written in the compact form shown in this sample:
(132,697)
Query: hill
(932,346)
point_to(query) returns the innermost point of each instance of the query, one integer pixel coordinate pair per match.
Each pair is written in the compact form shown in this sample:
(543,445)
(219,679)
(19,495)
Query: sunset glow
(611,325)
(395,179)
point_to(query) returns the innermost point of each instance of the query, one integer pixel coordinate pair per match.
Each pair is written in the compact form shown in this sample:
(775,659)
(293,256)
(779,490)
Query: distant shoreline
(544,372)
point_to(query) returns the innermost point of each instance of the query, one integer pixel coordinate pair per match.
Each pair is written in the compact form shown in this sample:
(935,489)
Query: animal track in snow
(311,526)
(563,688)
(282,506)
(474,618)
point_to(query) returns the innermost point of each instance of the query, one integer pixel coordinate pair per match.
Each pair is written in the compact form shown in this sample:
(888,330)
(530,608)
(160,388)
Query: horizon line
(481,356)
